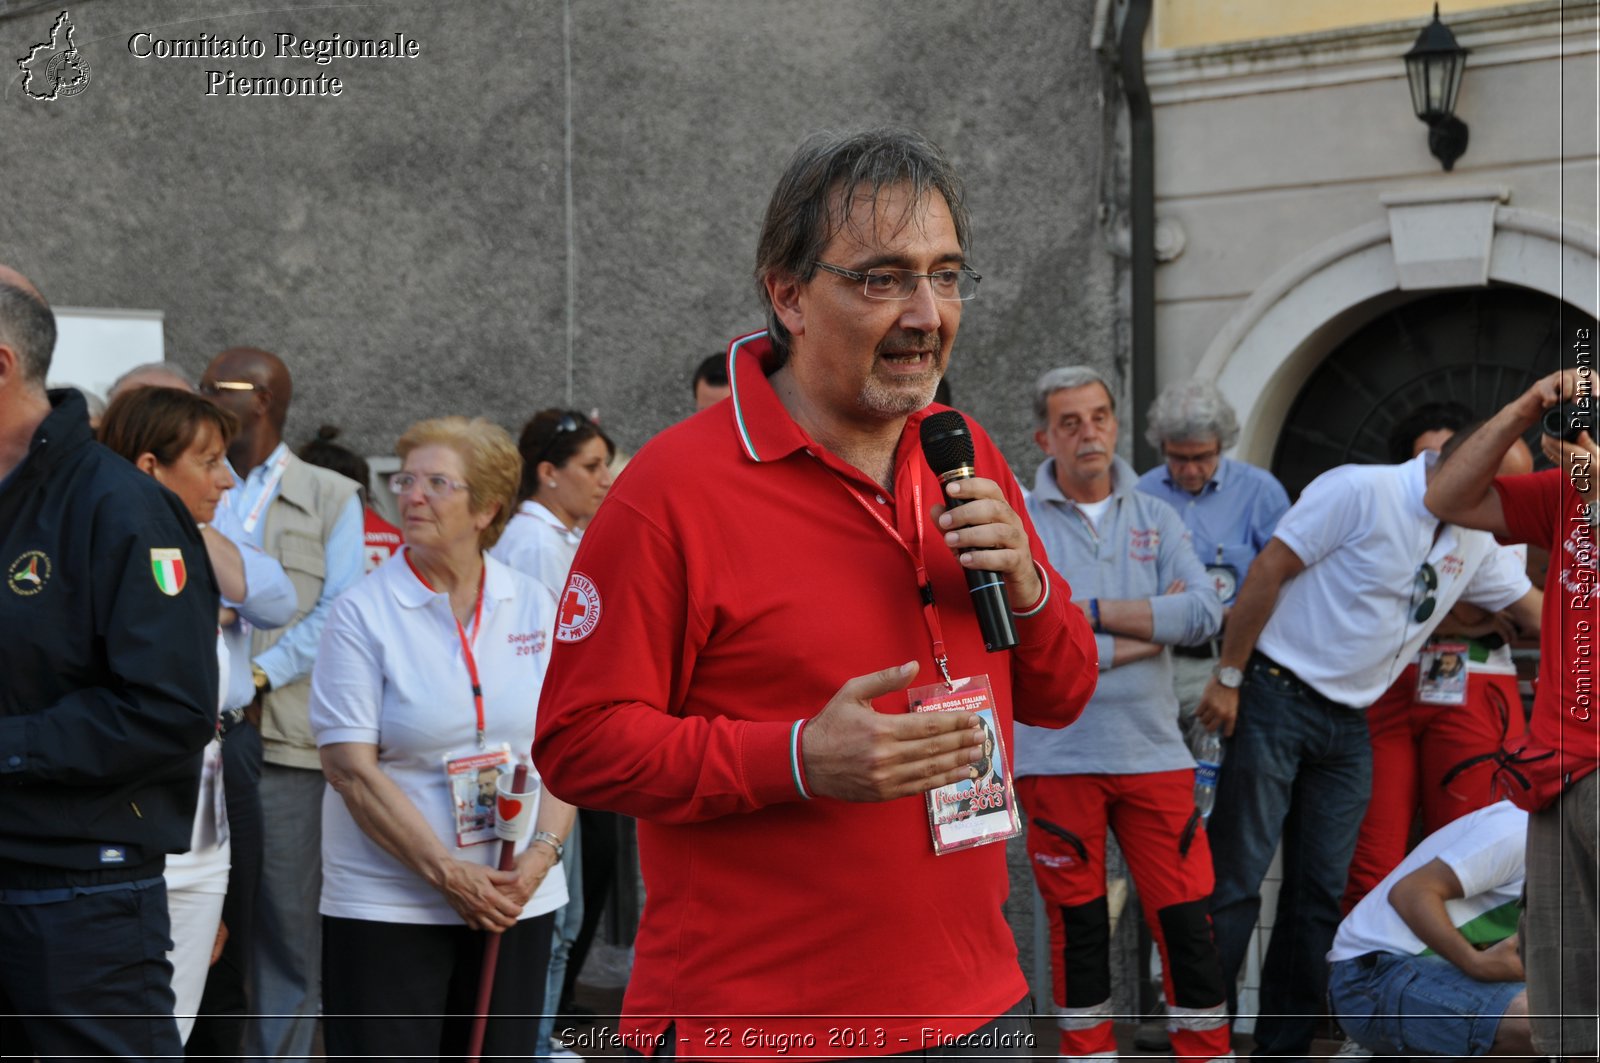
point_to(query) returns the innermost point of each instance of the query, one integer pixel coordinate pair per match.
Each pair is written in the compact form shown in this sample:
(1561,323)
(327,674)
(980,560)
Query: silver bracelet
(552,840)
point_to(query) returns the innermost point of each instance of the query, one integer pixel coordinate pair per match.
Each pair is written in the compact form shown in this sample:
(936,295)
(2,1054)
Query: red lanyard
(466,643)
(924,585)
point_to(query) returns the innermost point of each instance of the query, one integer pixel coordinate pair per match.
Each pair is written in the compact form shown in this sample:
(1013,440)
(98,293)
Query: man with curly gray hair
(1229,507)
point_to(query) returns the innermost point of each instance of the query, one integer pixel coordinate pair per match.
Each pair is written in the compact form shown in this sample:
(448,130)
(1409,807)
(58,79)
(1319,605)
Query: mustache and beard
(905,393)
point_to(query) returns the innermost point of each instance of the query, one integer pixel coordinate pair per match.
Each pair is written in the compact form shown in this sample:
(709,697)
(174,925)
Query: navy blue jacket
(108,663)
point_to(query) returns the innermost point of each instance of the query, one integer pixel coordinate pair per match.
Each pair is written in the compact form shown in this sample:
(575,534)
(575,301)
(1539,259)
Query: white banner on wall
(95,346)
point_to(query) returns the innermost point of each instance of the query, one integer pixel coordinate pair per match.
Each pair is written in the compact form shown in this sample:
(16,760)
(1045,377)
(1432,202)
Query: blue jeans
(568,918)
(1298,767)
(1417,1005)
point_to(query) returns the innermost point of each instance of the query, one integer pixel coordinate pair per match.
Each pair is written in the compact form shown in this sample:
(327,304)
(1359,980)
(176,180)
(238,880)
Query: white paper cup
(513,812)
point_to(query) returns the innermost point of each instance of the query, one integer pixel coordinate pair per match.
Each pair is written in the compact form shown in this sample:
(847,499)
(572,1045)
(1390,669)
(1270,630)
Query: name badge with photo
(981,809)
(474,779)
(1442,674)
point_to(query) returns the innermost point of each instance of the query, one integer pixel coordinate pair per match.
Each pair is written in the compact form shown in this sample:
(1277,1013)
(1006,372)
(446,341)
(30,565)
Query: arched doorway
(1480,347)
(1265,355)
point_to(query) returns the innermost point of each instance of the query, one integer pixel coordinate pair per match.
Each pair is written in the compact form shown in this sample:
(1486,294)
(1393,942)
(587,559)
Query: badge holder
(1442,674)
(972,811)
(474,791)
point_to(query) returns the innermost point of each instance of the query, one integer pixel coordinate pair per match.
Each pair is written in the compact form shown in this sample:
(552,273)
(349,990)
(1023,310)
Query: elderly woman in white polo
(428,677)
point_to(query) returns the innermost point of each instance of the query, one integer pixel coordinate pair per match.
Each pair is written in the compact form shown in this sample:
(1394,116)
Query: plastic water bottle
(1208,765)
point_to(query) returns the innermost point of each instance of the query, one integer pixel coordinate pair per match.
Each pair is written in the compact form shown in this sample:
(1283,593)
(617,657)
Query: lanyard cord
(930,614)
(269,484)
(466,643)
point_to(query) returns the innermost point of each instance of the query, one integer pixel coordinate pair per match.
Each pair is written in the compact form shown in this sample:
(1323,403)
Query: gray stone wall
(554,203)
(408,246)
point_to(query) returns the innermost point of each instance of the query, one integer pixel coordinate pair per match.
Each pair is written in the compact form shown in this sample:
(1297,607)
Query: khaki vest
(296,529)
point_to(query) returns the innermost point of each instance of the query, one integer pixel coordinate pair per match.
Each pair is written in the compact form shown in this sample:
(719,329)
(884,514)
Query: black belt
(1206,651)
(228,719)
(1261,660)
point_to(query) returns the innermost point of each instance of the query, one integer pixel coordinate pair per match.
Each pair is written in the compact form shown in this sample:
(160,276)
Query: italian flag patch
(168,568)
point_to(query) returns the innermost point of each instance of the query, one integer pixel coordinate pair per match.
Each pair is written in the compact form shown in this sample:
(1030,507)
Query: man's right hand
(1499,962)
(1219,707)
(855,753)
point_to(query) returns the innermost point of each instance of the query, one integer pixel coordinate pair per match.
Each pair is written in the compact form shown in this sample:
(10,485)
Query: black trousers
(403,991)
(88,977)
(219,1030)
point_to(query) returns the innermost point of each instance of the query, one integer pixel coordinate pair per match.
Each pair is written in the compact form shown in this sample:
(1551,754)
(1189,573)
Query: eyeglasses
(1192,459)
(1423,598)
(217,387)
(950,285)
(434,486)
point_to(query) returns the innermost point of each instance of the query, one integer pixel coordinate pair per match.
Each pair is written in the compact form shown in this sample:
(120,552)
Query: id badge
(1442,674)
(473,779)
(1225,580)
(972,811)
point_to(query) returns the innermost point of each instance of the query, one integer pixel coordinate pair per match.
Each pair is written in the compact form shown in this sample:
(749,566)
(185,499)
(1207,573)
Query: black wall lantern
(1434,66)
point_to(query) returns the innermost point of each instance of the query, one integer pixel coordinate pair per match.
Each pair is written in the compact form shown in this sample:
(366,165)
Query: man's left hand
(987,535)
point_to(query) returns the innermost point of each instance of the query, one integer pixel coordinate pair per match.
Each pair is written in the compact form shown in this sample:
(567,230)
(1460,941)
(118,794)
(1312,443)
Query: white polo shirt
(1345,625)
(390,672)
(537,544)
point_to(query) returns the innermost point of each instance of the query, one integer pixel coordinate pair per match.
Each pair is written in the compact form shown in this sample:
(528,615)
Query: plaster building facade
(1321,267)
(1318,263)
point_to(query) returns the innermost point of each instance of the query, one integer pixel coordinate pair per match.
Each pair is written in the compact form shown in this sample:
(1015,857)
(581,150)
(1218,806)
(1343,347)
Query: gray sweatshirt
(1131,724)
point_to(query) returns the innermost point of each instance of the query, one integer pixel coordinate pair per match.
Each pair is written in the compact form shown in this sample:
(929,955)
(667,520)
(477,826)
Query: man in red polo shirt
(1550,771)
(740,630)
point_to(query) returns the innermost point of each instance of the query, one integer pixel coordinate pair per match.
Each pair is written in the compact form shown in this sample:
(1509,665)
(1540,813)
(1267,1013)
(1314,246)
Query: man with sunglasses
(728,658)
(309,519)
(1356,576)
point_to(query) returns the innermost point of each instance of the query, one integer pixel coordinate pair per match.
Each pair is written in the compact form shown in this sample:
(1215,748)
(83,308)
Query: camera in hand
(1566,420)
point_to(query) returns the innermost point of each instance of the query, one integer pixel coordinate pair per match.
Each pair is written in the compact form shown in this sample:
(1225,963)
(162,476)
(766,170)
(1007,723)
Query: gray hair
(149,373)
(1192,412)
(824,177)
(28,327)
(1067,376)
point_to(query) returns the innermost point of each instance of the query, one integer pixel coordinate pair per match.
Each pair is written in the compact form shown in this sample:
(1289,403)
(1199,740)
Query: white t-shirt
(537,544)
(1485,850)
(390,672)
(1345,625)
(1499,661)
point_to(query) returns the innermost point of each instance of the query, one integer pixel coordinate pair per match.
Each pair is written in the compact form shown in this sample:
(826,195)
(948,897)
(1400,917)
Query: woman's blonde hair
(494,468)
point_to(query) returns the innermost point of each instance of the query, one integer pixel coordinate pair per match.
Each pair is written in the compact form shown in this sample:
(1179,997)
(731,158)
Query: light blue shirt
(1232,517)
(291,657)
(269,602)
(1135,551)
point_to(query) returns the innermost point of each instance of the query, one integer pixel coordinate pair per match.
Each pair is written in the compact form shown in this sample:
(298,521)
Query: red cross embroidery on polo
(580,609)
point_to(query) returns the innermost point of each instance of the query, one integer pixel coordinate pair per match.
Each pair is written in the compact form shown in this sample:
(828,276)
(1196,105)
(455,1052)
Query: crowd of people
(255,740)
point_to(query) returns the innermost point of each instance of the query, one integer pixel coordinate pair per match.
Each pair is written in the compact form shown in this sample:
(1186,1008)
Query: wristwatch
(552,840)
(1231,678)
(263,684)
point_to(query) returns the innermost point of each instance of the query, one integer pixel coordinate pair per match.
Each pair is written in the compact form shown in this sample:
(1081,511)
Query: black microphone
(947,444)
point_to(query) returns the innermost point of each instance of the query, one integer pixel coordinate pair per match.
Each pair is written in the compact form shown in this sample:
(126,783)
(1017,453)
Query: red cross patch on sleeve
(578,611)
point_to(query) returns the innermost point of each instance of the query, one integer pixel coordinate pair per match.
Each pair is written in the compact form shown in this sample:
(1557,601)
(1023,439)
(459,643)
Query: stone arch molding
(1430,241)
